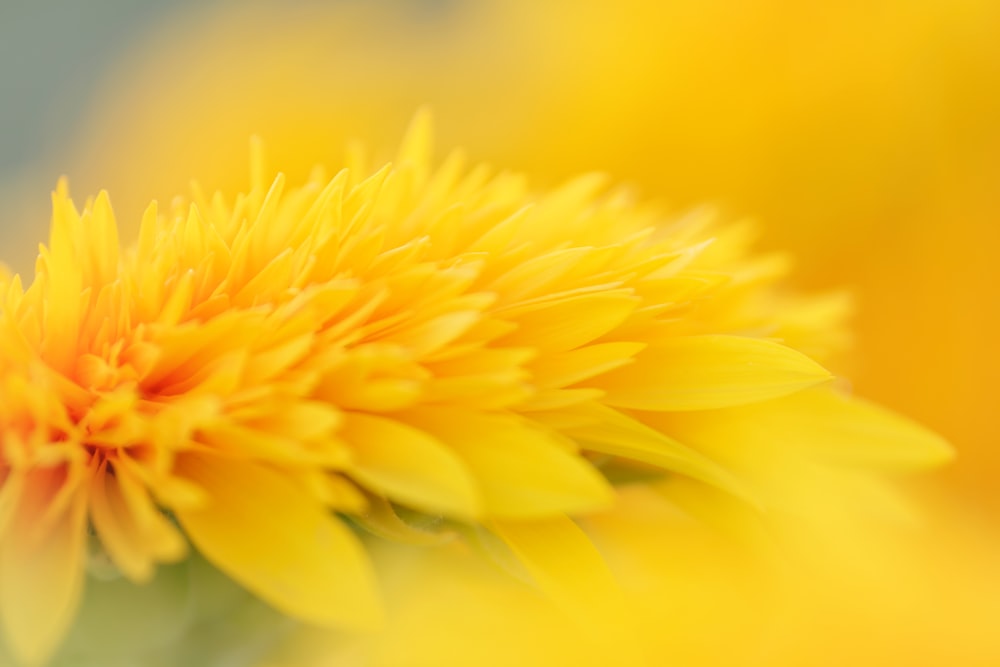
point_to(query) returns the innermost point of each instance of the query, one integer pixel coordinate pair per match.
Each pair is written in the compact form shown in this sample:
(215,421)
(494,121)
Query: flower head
(429,342)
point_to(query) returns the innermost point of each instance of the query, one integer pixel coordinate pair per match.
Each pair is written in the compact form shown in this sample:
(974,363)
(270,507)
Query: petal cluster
(257,372)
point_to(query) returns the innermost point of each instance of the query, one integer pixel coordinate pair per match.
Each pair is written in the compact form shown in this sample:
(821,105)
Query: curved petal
(819,424)
(568,569)
(40,583)
(566,323)
(611,432)
(708,372)
(409,465)
(279,543)
(523,472)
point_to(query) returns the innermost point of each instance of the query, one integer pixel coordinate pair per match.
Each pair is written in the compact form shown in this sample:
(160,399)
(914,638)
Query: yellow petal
(238,440)
(611,432)
(487,391)
(568,569)
(65,275)
(383,395)
(131,529)
(273,538)
(571,322)
(553,215)
(409,466)
(162,538)
(854,431)
(332,490)
(555,399)
(707,372)
(117,530)
(523,472)
(428,337)
(541,274)
(40,585)
(299,419)
(566,368)
(819,423)
(418,142)
(104,245)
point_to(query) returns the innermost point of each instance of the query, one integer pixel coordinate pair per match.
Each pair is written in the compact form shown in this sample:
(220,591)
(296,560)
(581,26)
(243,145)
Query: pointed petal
(820,423)
(418,142)
(523,471)
(851,430)
(409,466)
(611,432)
(274,539)
(116,529)
(131,529)
(708,372)
(564,369)
(571,322)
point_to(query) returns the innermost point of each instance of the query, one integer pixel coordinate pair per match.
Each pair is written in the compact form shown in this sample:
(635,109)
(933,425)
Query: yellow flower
(855,132)
(436,342)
